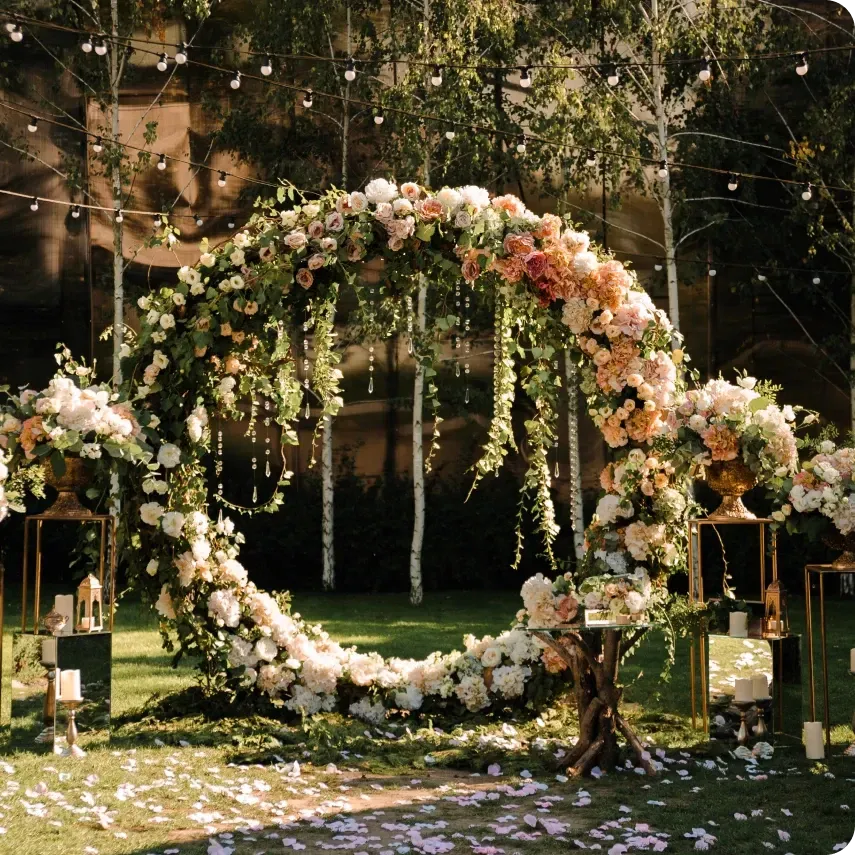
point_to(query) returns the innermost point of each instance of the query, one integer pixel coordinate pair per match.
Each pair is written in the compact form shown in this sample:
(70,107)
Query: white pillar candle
(49,651)
(64,604)
(760,687)
(739,624)
(814,745)
(69,689)
(852,660)
(744,690)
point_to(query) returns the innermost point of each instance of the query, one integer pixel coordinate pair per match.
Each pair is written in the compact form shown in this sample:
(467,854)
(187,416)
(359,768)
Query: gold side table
(821,571)
(696,594)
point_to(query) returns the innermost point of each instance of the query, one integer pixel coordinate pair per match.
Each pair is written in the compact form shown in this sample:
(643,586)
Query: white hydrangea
(373,713)
(380,190)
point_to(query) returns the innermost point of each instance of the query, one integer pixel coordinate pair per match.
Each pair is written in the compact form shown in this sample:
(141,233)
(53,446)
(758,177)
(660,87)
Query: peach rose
(519,244)
(304,277)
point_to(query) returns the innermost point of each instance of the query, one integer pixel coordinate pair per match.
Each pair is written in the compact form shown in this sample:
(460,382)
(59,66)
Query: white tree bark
(577,515)
(664,192)
(118,228)
(327,497)
(416,587)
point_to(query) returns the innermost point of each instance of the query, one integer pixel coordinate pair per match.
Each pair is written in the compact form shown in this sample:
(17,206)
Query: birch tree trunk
(664,194)
(416,588)
(847,581)
(118,228)
(577,516)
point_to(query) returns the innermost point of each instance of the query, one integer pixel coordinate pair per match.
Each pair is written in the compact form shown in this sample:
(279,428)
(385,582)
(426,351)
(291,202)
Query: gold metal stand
(106,564)
(696,595)
(821,571)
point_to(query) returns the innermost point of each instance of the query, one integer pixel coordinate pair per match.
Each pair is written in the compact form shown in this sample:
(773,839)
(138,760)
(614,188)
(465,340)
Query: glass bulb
(101,48)
(807,192)
(350,71)
(525,78)
(267,68)
(221,181)
(161,163)
(181,54)
(87,45)
(235,81)
(436,77)
(162,62)
(17,34)
(34,205)
(802,67)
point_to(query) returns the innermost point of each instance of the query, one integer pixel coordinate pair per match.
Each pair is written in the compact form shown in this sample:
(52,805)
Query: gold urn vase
(730,479)
(844,542)
(75,478)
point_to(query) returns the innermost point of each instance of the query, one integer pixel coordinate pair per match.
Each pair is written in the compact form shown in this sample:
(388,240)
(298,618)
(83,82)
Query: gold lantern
(775,622)
(89,594)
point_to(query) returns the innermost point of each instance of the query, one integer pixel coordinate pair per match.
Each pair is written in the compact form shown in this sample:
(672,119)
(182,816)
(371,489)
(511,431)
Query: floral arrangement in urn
(819,500)
(739,436)
(73,419)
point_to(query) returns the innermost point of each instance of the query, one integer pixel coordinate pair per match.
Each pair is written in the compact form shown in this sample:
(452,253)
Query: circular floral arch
(224,335)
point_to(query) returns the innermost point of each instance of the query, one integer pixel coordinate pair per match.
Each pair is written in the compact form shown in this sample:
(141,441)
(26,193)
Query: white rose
(266,649)
(167,321)
(208,259)
(172,523)
(164,604)
(151,567)
(237,257)
(151,512)
(169,455)
(379,190)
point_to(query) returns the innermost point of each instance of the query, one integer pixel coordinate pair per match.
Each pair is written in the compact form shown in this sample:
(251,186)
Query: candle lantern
(776,621)
(89,594)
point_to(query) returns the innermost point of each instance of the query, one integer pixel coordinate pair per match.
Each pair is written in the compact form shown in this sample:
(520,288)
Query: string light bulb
(161,162)
(713,271)
(591,159)
(816,280)
(231,224)
(705,72)
(525,77)
(86,45)
(98,145)
(199,220)
(33,125)
(17,34)
(802,65)
(10,25)
(521,146)
(807,192)
(657,265)
(120,217)
(450,134)
(75,211)
(733,182)
(613,76)
(378,116)
(235,81)
(307,99)
(663,169)
(436,76)
(101,48)
(350,70)
(163,62)
(158,221)
(761,277)
(181,53)
(222,179)
(267,67)
(34,205)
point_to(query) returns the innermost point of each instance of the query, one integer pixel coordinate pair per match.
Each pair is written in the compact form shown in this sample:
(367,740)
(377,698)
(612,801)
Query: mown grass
(181,756)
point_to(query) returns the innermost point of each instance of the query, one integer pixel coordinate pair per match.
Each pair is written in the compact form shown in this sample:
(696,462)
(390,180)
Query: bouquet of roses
(628,594)
(72,416)
(822,492)
(724,421)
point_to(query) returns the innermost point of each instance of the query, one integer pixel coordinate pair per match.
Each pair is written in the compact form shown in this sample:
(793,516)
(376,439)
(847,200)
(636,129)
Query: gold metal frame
(105,564)
(696,595)
(821,570)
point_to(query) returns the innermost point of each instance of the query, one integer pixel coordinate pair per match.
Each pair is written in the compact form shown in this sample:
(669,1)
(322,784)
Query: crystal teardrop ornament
(267,470)
(456,369)
(370,385)
(308,410)
(410,346)
(557,470)
(255,494)
(466,396)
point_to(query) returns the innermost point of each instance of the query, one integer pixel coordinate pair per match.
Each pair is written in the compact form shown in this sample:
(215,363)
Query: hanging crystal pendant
(254,493)
(267,469)
(557,470)
(371,385)
(308,412)
(456,369)
(410,346)
(466,396)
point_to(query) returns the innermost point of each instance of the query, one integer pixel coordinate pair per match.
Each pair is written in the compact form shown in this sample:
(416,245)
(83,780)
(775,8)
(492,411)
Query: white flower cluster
(825,485)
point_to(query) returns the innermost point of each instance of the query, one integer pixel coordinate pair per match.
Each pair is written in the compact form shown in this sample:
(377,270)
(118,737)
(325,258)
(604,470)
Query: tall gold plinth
(698,652)
(33,525)
(820,571)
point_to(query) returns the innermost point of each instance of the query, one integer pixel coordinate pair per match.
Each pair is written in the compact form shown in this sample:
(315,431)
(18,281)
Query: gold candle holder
(744,734)
(764,707)
(73,750)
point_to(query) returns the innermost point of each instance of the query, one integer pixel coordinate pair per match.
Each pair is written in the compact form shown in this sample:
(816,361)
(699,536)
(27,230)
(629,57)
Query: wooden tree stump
(595,673)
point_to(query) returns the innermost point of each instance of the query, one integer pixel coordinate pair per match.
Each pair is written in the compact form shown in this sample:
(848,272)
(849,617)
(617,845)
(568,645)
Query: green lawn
(174,782)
